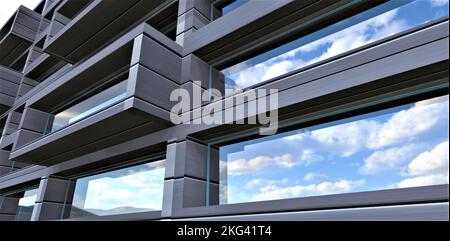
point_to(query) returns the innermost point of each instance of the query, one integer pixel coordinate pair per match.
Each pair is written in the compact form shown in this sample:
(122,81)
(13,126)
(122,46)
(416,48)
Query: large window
(384,20)
(405,146)
(26,205)
(129,190)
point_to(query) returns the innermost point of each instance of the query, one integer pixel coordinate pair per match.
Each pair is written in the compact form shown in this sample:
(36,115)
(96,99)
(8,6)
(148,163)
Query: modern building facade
(361,110)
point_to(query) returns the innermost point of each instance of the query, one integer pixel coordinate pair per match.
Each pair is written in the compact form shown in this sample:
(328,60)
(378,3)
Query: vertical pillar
(192,15)
(187,180)
(54,199)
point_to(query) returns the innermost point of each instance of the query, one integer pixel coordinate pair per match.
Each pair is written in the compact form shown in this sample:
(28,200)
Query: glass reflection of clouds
(129,190)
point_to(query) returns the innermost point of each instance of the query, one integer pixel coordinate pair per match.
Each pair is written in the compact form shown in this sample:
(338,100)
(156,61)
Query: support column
(54,199)
(192,15)
(187,177)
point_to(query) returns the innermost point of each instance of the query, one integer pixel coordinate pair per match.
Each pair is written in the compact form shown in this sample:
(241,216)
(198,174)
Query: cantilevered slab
(270,22)
(99,21)
(18,34)
(98,131)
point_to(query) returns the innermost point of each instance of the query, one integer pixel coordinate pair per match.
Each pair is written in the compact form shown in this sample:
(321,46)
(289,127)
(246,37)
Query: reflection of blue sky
(231,7)
(374,24)
(138,187)
(400,147)
(90,106)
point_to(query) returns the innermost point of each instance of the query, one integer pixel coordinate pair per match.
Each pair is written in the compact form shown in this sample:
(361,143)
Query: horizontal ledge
(434,193)
(57,143)
(411,212)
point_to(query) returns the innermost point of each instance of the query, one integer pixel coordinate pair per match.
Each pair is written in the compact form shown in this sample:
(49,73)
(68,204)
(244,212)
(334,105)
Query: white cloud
(271,192)
(430,162)
(312,176)
(9,7)
(438,3)
(390,159)
(241,166)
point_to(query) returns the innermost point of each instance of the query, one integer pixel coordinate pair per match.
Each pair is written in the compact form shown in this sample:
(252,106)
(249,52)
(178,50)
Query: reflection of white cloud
(29,198)
(258,182)
(139,190)
(439,3)
(241,166)
(428,168)
(430,162)
(389,159)
(271,192)
(237,167)
(402,127)
(312,176)
(345,139)
(350,38)
(406,125)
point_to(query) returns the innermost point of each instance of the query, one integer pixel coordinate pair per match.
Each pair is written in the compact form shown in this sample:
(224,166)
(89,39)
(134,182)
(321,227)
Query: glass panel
(232,6)
(227,8)
(129,190)
(374,24)
(406,146)
(90,106)
(26,205)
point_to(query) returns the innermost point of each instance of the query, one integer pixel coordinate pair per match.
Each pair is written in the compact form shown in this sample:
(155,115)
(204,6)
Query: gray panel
(191,19)
(157,58)
(202,6)
(56,190)
(24,137)
(8,88)
(34,120)
(152,87)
